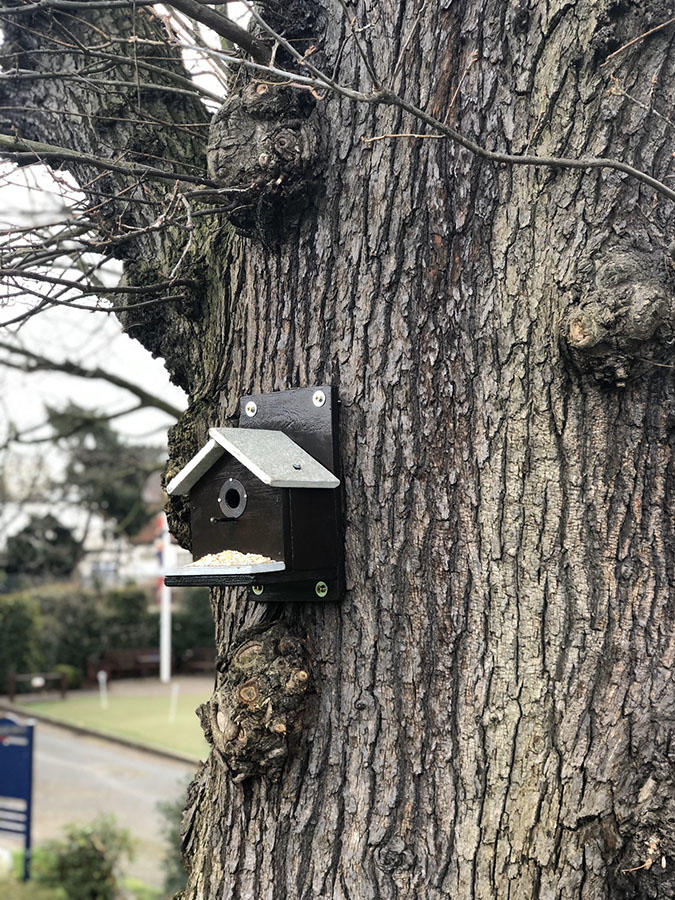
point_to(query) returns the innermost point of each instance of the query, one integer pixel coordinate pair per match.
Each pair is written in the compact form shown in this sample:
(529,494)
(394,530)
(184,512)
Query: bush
(127,606)
(73,625)
(19,635)
(86,863)
(78,624)
(73,675)
(59,627)
(128,624)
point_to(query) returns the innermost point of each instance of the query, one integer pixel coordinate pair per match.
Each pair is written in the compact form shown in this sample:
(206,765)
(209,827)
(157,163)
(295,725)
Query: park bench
(198,659)
(37,680)
(124,663)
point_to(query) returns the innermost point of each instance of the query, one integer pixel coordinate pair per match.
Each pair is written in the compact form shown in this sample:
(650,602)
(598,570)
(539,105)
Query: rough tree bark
(493,714)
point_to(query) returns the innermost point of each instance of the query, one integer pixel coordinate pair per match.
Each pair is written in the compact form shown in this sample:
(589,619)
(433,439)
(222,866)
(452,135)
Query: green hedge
(20,631)
(64,625)
(192,622)
(59,627)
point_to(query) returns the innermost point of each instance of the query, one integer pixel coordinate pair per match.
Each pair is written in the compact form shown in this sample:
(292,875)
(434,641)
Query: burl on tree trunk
(491,707)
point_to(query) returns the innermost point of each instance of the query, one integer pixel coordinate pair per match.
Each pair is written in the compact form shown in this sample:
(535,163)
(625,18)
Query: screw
(257,589)
(297,466)
(251,409)
(321,589)
(319,398)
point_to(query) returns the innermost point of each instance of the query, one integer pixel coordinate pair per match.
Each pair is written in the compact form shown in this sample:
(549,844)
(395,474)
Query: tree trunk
(493,714)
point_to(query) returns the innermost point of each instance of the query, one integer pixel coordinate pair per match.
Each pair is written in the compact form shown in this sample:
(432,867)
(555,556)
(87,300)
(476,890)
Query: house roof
(269,455)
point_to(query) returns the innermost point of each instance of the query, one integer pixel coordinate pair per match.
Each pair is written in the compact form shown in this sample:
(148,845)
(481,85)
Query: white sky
(90,338)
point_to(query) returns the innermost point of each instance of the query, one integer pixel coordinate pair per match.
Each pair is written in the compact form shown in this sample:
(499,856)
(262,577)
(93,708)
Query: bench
(37,680)
(199,659)
(125,663)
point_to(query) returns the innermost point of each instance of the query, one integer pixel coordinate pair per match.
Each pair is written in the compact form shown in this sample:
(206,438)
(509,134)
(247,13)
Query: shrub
(73,625)
(73,675)
(128,624)
(127,606)
(79,624)
(63,625)
(19,635)
(85,864)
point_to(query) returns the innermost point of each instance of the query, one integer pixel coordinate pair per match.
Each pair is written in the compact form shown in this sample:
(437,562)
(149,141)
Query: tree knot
(264,151)
(624,317)
(393,856)
(259,703)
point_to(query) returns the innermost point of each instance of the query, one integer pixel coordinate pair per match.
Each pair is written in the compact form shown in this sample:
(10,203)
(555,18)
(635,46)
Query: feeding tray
(270,488)
(194,569)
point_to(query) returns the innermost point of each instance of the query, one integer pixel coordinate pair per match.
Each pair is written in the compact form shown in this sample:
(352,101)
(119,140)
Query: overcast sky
(90,338)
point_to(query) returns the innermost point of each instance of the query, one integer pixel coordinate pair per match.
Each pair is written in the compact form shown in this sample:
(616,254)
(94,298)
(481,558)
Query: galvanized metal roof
(269,455)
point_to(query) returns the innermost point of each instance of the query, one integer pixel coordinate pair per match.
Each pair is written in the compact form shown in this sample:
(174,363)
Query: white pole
(173,703)
(103,688)
(165,610)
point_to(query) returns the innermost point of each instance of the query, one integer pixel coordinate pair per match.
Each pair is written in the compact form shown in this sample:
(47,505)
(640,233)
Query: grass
(17,890)
(138,717)
(13,888)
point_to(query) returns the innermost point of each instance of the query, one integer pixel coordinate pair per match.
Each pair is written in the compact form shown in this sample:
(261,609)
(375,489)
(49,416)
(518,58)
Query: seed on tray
(231,558)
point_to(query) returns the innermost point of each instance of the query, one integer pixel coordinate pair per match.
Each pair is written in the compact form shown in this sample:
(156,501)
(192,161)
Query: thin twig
(362,50)
(399,62)
(23,150)
(402,134)
(186,249)
(14,272)
(640,37)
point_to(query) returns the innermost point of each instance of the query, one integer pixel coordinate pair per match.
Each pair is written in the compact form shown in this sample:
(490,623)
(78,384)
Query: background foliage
(56,627)
(85,863)
(19,635)
(44,548)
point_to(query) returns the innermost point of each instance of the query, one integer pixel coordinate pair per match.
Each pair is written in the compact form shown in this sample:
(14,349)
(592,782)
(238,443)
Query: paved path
(77,778)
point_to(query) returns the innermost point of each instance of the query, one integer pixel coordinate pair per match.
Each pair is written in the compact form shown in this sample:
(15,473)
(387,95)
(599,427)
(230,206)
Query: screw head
(321,589)
(257,589)
(251,409)
(319,398)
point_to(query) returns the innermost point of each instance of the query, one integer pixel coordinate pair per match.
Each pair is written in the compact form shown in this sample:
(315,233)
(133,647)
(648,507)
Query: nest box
(268,488)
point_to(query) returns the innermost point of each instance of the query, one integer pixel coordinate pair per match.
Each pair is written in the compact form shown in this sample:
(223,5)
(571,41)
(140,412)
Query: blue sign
(16,782)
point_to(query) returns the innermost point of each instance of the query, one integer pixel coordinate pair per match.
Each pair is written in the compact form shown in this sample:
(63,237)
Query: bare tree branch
(35,362)
(224,27)
(24,151)
(201,12)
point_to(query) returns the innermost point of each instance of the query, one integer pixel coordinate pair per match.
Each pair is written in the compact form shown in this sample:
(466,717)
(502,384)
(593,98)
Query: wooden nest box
(265,504)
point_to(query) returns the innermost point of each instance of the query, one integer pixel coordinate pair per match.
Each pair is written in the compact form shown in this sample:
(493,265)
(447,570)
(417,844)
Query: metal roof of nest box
(269,455)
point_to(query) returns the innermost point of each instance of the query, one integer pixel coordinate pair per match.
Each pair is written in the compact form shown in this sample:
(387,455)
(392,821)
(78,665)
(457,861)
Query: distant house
(114,560)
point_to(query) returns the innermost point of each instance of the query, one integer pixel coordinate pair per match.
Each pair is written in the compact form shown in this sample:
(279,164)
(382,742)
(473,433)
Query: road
(77,778)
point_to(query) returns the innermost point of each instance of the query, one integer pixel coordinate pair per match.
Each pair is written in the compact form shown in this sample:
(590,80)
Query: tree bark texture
(493,715)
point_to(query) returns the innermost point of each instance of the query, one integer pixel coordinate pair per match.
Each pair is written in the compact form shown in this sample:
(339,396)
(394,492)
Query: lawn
(138,717)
